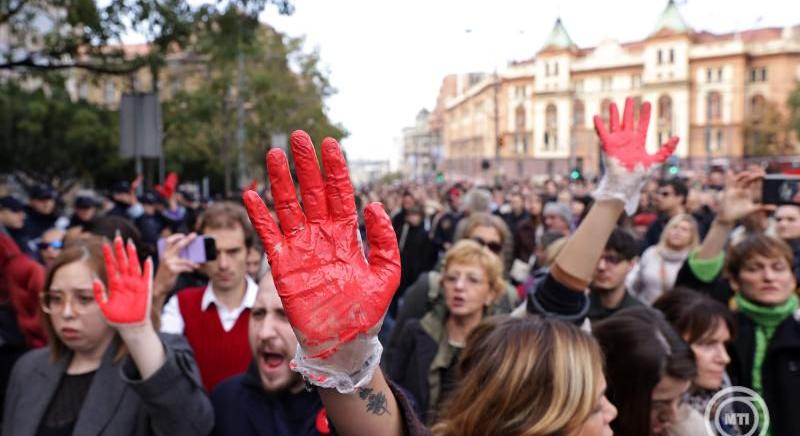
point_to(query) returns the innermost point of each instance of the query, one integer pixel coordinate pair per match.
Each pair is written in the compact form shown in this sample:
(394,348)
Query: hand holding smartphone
(200,250)
(780,189)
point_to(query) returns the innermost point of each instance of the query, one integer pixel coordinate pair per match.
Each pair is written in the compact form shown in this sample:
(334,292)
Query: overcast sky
(387,58)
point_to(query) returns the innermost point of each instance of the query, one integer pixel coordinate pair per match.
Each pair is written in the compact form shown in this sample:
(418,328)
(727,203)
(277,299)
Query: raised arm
(736,203)
(333,296)
(628,166)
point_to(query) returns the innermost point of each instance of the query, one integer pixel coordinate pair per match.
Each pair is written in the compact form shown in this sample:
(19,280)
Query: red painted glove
(334,298)
(130,290)
(628,164)
(170,183)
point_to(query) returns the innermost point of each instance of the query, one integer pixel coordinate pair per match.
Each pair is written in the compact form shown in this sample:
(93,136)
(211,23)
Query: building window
(578,113)
(719,139)
(606,83)
(672,56)
(547,69)
(605,110)
(551,127)
(719,74)
(659,57)
(708,75)
(636,81)
(757,105)
(763,74)
(714,109)
(664,124)
(521,138)
(579,85)
(109,92)
(555,68)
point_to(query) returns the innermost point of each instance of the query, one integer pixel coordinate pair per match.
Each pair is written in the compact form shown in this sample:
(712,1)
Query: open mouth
(273,360)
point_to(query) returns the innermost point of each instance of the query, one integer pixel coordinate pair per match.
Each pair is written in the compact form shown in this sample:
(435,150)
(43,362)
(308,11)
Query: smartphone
(780,189)
(201,250)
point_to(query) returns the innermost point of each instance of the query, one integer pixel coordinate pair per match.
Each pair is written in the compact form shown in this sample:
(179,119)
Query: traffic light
(672,166)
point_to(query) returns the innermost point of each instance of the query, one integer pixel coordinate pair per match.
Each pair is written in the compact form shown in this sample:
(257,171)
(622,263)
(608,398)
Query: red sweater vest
(219,354)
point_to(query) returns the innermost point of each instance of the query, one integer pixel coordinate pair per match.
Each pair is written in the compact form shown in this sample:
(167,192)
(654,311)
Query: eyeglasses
(613,259)
(55,302)
(57,244)
(495,247)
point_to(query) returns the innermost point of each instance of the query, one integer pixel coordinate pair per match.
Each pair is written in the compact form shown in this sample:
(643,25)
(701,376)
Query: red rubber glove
(332,295)
(130,290)
(628,164)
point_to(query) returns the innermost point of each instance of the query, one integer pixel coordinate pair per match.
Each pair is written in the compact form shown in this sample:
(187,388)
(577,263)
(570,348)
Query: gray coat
(171,402)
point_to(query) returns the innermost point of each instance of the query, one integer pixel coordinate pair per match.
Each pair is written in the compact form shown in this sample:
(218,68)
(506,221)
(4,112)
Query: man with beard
(269,398)
(608,293)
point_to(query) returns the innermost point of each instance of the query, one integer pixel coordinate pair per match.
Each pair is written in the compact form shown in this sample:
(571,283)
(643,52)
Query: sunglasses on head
(54,244)
(495,247)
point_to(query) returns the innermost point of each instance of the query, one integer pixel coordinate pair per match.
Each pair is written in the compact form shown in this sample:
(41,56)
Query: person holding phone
(213,317)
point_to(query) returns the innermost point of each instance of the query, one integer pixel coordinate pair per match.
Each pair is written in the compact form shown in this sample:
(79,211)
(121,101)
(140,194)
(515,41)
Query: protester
(787,227)
(557,218)
(670,202)
(269,398)
(40,214)
(12,221)
(608,292)
(337,320)
(424,357)
(85,211)
(49,246)
(656,271)
(708,327)
(649,369)
(106,369)
(214,317)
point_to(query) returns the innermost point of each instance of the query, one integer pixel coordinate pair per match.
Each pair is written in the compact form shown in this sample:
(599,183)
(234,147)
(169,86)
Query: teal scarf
(767,319)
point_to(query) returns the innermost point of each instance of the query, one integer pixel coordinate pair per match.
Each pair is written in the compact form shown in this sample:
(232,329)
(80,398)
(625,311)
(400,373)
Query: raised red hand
(130,289)
(330,292)
(170,183)
(626,143)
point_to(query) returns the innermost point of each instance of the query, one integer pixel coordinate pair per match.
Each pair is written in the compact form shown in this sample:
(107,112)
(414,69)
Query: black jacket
(242,408)
(780,371)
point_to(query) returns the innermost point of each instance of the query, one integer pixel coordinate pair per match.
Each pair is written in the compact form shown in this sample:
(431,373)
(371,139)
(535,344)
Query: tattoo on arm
(376,401)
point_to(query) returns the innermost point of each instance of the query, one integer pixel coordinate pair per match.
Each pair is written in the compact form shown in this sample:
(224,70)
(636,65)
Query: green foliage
(47,137)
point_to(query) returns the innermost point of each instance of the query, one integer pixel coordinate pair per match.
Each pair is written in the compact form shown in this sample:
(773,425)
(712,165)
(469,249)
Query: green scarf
(767,319)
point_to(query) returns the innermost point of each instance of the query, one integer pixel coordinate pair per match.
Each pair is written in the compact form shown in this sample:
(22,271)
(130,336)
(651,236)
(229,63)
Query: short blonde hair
(469,252)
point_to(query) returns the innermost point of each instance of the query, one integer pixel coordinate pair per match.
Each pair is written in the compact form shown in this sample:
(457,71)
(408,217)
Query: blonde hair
(469,252)
(674,221)
(524,377)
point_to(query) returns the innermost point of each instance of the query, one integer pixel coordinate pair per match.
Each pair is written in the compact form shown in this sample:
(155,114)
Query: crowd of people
(620,305)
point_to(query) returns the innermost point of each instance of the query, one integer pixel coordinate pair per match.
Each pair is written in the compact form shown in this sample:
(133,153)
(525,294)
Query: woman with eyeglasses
(424,358)
(106,370)
(649,368)
(426,293)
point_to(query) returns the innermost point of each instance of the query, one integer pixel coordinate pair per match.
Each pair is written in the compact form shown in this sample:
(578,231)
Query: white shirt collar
(248,301)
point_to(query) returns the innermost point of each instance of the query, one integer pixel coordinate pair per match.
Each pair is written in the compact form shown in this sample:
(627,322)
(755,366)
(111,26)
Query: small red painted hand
(127,301)
(170,183)
(330,292)
(628,164)
(626,143)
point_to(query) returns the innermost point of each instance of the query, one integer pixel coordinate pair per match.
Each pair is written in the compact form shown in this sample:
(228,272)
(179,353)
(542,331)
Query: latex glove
(334,298)
(628,165)
(127,302)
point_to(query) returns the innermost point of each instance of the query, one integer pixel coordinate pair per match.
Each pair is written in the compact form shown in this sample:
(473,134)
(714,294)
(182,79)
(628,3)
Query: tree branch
(5,16)
(30,63)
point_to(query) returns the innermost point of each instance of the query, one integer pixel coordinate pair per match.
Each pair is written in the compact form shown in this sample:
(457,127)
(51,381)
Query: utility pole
(240,132)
